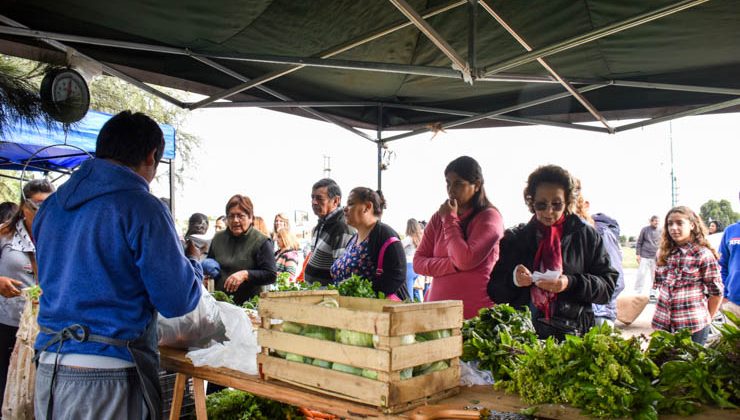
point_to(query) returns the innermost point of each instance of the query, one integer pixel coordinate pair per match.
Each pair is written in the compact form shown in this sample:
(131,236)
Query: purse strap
(381,255)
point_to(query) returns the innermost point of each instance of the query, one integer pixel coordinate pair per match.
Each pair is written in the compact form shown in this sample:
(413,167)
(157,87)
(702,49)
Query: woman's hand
(192,251)
(8,287)
(554,286)
(448,207)
(235,280)
(523,276)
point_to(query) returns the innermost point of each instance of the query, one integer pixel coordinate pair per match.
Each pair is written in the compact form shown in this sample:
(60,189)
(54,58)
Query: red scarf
(549,256)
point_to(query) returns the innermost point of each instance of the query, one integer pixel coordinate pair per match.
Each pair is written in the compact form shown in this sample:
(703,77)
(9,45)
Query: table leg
(199,393)
(177,395)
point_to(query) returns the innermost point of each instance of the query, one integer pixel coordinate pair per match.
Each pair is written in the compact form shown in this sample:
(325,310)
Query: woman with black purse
(555,264)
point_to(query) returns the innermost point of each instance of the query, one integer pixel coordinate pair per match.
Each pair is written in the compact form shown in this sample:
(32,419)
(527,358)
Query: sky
(275,158)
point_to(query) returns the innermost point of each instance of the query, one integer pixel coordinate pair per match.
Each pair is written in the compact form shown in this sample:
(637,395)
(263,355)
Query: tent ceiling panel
(696,46)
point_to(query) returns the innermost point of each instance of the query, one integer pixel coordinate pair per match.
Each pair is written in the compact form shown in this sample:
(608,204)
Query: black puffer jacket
(591,279)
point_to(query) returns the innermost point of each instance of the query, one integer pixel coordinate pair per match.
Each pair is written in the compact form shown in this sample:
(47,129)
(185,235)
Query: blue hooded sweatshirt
(108,256)
(729,261)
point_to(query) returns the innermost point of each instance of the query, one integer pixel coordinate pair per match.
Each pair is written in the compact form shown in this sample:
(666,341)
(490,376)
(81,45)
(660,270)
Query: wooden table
(174,360)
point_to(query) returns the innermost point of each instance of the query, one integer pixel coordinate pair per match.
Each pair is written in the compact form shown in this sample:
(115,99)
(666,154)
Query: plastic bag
(195,329)
(470,374)
(20,386)
(240,352)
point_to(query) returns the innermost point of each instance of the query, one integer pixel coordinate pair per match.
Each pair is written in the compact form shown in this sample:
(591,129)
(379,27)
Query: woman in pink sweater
(460,243)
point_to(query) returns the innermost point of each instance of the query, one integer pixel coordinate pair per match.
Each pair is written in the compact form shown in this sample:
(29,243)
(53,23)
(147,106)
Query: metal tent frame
(463,69)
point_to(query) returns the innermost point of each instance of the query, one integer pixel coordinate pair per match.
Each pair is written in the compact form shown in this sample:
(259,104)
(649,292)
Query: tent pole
(491,114)
(688,113)
(372,36)
(173,182)
(458,63)
(472,32)
(108,69)
(380,147)
(580,98)
(278,95)
(674,87)
(592,36)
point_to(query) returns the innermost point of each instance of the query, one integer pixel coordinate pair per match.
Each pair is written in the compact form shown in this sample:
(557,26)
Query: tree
(720,211)
(107,94)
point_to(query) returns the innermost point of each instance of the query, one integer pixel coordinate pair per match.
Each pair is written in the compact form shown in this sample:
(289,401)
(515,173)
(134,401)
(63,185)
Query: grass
(629,258)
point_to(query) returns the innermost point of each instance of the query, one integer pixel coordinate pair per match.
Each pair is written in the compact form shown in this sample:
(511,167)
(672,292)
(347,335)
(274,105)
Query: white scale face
(67,87)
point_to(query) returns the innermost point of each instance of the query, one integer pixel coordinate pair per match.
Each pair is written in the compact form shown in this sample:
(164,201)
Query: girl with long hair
(410,243)
(687,271)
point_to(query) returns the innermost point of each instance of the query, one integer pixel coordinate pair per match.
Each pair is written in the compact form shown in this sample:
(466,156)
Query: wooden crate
(389,321)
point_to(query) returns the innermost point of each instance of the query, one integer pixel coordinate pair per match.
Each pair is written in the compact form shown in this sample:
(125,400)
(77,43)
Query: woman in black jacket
(374,240)
(557,241)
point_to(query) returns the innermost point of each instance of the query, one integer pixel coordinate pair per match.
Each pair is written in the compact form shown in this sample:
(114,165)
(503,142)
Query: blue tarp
(21,141)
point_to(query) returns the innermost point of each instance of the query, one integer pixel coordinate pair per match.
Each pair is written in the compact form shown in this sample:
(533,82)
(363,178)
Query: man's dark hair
(332,189)
(128,138)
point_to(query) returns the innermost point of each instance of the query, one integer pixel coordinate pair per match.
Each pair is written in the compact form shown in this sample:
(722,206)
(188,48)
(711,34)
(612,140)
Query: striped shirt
(288,261)
(691,272)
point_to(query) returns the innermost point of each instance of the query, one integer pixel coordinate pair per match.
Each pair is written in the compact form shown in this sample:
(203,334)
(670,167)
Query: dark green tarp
(698,46)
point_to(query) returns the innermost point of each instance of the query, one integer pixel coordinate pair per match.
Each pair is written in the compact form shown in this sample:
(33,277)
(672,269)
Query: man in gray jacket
(646,249)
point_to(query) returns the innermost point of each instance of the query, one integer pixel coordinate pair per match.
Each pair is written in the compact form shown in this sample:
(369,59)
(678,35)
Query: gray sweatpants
(90,394)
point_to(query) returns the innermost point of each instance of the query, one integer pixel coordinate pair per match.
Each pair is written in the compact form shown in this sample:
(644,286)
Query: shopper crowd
(103,287)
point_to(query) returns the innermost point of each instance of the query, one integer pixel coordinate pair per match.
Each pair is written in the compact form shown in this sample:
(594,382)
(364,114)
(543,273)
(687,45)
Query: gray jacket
(15,262)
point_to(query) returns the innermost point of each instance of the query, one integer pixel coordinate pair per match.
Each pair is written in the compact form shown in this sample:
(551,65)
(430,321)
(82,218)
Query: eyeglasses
(236,216)
(543,205)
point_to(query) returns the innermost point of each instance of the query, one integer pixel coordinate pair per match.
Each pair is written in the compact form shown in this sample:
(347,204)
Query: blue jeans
(410,278)
(700,337)
(90,394)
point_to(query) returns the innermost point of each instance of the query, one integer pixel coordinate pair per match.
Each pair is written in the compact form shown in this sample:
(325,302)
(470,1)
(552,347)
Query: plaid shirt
(691,272)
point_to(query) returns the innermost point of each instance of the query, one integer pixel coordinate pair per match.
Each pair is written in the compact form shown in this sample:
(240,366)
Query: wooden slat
(432,319)
(426,352)
(344,385)
(199,395)
(177,394)
(363,304)
(362,321)
(424,385)
(442,304)
(362,357)
(281,295)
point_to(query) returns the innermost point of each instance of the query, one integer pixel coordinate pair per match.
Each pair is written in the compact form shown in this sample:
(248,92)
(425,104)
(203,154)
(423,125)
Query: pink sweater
(460,267)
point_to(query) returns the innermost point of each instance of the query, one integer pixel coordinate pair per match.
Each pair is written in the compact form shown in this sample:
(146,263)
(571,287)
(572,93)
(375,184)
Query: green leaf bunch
(231,404)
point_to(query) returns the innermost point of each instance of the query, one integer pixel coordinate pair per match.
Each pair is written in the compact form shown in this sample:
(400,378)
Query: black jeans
(7,342)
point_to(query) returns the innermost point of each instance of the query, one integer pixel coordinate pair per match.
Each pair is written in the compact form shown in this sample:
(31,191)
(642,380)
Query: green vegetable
(320,333)
(433,335)
(292,327)
(357,286)
(431,367)
(321,363)
(33,293)
(346,369)
(354,338)
(222,297)
(294,358)
(495,337)
(231,404)
(370,374)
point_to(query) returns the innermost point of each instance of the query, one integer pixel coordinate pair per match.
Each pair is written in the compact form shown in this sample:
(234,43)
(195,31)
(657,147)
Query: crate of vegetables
(392,355)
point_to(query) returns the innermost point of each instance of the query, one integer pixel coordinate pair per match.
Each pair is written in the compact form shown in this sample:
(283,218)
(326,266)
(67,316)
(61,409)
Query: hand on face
(448,207)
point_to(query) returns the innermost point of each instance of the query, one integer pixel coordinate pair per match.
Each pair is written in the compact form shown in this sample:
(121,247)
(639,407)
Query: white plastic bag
(470,374)
(195,329)
(240,352)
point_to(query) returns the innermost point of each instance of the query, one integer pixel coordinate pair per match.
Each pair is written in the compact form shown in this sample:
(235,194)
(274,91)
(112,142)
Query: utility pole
(674,182)
(327,166)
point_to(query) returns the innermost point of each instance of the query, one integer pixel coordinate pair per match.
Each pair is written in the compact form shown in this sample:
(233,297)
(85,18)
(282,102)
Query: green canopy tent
(407,65)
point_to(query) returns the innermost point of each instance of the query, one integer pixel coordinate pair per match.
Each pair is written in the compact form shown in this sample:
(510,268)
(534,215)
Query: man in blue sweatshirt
(109,259)
(729,261)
